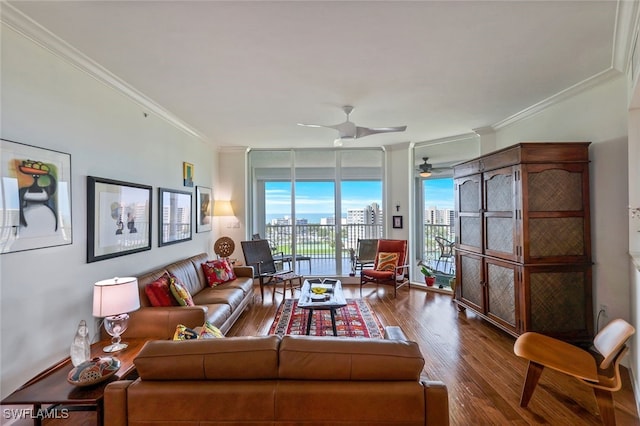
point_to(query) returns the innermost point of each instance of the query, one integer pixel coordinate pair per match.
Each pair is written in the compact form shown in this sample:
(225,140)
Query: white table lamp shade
(115,296)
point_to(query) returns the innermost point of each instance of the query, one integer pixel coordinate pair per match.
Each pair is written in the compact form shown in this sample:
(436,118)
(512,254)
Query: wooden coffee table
(51,389)
(333,300)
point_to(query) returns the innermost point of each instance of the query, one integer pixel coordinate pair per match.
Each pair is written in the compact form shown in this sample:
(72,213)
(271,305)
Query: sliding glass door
(313,205)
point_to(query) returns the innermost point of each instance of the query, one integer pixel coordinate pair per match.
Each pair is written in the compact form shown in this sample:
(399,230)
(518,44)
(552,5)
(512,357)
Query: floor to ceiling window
(314,205)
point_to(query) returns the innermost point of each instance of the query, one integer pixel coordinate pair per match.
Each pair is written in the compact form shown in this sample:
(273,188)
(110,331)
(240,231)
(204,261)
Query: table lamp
(113,299)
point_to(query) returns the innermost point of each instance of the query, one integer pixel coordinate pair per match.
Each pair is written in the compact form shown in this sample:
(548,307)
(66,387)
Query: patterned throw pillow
(387,261)
(218,271)
(180,292)
(159,293)
(209,331)
(184,333)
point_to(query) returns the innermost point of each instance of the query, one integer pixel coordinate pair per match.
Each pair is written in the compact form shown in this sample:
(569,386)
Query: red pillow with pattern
(218,271)
(159,293)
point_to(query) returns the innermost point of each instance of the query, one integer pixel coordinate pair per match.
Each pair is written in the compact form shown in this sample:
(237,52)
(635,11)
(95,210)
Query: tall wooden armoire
(523,240)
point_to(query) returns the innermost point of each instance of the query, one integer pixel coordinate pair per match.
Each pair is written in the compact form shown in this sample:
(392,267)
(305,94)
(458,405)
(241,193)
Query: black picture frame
(175,223)
(118,218)
(204,205)
(397,222)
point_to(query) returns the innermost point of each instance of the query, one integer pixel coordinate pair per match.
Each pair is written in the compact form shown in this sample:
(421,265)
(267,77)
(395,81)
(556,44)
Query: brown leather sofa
(269,380)
(220,305)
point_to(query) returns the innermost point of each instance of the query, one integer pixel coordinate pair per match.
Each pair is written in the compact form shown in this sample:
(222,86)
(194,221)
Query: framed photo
(204,201)
(187,174)
(397,222)
(118,218)
(174,216)
(35,197)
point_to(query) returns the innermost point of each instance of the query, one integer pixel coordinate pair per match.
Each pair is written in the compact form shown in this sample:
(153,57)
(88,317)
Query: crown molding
(567,93)
(627,16)
(30,29)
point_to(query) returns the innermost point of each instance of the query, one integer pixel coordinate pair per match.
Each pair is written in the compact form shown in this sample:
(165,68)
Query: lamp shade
(223,208)
(115,296)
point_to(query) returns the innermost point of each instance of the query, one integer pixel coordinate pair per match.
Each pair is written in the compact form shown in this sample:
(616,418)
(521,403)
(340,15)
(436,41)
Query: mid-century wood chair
(544,351)
(385,270)
(257,253)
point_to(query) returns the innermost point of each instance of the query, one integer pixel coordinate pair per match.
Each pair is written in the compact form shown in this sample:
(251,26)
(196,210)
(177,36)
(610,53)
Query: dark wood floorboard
(473,358)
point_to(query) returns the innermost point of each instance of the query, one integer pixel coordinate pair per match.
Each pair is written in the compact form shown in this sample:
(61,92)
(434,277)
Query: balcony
(316,246)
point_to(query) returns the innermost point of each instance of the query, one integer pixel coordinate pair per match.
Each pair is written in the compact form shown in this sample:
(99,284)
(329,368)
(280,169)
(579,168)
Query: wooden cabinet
(523,244)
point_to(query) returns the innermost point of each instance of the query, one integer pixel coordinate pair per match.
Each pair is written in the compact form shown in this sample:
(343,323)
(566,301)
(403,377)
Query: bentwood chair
(257,253)
(601,371)
(389,267)
(446,254)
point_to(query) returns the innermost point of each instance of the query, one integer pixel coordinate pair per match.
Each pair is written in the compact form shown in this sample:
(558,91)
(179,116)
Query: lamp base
(115,347)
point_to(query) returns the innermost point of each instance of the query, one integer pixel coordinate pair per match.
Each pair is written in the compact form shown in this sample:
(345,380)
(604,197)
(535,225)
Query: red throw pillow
(218,271)
(159,293)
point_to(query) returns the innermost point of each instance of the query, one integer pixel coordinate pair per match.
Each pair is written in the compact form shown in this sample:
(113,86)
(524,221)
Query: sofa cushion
(387,261)
(317,358)
(180,292)
(218,271)
(159,292)
(232,358)
(243,283)
(221,294)
(217,313)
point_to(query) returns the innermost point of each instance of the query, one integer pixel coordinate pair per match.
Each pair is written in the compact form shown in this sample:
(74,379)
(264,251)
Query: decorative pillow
(218,271)
(159,293)
(184,333)
(387,261)
(180,292)
(209,331)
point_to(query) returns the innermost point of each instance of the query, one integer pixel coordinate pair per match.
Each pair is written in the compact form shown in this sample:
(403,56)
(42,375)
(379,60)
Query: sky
(317,197)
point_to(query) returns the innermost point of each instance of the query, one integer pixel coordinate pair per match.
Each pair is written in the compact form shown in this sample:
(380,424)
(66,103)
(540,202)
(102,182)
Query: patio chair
(257,253)
(446,253)
(284,258)
(364,255)
(601,371)
(389,267)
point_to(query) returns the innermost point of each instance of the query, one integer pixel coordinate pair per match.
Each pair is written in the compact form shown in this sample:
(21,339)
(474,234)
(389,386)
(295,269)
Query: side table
(51,388)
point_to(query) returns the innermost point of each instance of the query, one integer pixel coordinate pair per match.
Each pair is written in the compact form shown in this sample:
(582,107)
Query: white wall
(48,103)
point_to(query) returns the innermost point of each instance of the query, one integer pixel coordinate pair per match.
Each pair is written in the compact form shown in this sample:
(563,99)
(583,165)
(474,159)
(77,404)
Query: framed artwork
(174,216)
(118,218)
(187,174)
(397,222)
(204,201)
(35,197)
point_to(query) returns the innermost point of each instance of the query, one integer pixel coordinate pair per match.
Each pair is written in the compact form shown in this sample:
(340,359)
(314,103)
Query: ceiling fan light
(425,174)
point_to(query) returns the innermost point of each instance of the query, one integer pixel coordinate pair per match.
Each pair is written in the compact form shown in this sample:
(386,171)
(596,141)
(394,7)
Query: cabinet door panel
(469,234)
(469,280)
(501,233)
(501,293)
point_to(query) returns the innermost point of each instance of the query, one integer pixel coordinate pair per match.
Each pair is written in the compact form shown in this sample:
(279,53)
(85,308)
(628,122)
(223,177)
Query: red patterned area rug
(354,320)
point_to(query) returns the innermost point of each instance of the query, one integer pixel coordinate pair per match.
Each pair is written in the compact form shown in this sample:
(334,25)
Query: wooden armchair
(389,267)
(544,351)
(257,253)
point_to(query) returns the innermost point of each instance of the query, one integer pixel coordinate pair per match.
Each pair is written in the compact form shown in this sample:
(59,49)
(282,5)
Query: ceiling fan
(349,131)
(426,169)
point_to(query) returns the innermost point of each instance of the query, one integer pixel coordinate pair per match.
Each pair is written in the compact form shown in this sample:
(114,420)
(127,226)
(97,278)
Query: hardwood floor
(473,358)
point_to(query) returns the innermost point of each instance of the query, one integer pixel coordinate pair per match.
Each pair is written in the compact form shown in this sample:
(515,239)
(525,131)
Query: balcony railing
(318,243)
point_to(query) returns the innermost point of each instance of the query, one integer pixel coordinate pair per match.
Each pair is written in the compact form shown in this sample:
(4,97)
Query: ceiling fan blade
(311,125)
(366,131)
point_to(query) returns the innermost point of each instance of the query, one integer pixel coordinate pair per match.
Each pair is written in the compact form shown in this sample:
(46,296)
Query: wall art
(118,218)
(397,222)
(187,174)
(35,197)
(174,216)
(204,202)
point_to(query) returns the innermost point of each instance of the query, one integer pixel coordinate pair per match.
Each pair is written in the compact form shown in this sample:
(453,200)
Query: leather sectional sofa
(220,305)
(271,380)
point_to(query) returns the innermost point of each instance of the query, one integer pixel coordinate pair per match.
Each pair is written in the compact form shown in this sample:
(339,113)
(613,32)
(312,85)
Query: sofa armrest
(115,403)
(243,271)
(160,322)
(393,332)
(437,403)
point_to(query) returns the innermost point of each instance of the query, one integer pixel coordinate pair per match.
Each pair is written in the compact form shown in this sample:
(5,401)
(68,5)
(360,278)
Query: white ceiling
(243,73)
